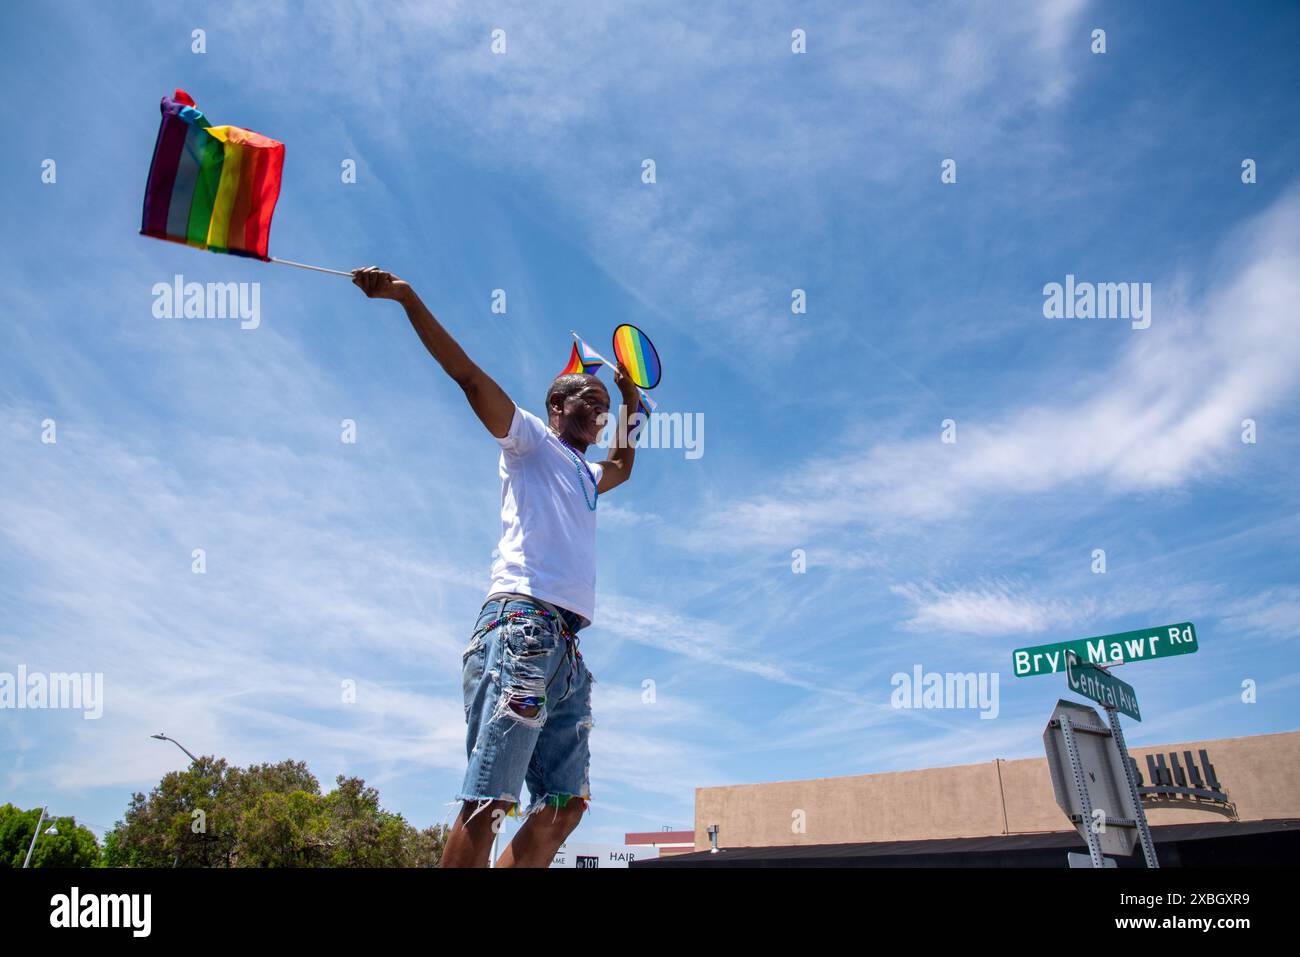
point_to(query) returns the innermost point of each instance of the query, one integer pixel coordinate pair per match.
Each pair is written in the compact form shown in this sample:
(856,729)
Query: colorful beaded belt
(570,639)
(534,613)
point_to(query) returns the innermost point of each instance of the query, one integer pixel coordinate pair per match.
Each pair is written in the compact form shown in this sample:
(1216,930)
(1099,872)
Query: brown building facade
(1260,776)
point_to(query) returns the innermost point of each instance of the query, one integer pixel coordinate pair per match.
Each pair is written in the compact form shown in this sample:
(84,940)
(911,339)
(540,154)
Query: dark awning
(1220,843)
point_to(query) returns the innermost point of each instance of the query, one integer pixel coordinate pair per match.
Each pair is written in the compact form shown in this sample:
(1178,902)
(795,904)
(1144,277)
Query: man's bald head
(570,384)
(575,406)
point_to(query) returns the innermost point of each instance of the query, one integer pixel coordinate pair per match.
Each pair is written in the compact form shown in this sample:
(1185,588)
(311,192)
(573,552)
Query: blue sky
(329,561)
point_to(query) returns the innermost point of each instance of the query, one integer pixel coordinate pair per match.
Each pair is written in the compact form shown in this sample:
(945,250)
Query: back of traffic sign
(1091,786)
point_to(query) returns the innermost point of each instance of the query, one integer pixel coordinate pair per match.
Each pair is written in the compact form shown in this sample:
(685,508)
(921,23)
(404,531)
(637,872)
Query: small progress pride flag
(213,187)
(583,358)
(645,405)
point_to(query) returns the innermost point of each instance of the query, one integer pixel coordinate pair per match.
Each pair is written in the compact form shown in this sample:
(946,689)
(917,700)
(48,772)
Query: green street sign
(1101,686)
(1107,649)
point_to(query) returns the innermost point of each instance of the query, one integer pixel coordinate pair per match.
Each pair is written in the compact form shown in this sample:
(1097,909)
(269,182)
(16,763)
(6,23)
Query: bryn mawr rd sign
(1140,645)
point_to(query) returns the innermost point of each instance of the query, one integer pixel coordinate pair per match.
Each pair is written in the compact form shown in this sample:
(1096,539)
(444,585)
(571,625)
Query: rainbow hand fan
(633,348)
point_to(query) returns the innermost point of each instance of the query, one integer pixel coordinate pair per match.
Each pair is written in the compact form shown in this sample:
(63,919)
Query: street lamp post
(27,862)
(162,737)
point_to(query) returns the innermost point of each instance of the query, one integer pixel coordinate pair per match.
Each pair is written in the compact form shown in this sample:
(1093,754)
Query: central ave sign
(1101,686)
(1107,649)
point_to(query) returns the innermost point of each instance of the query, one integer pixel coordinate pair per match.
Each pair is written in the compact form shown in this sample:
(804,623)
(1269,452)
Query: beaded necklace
(581,469)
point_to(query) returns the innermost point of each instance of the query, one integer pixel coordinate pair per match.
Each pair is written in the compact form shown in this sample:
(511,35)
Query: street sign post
(1088,780)
(1130,776)
(1107,649)
(1093,781)
(1101,686)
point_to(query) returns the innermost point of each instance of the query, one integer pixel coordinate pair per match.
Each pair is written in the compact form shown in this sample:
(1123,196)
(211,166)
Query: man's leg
(558,773)
(541,836)
(469,843)
(509,663)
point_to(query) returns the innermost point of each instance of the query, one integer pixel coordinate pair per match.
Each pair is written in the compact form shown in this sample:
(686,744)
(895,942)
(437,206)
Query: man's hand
(626,387)
(377,284)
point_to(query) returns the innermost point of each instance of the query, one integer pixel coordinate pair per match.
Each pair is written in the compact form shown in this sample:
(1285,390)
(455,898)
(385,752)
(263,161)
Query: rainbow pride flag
(583,358)
(213,187)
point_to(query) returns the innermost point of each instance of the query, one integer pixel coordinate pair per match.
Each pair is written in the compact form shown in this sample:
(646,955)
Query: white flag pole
(288,262)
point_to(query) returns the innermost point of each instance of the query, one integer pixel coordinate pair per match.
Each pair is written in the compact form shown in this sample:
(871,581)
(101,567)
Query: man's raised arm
(489,402)
(617,469)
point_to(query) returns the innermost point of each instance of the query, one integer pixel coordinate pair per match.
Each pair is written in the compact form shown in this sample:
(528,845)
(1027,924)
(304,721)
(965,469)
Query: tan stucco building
(1260,776)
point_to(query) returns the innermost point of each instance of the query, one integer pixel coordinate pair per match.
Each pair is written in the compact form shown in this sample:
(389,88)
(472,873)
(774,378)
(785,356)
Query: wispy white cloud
(611,513)
(702,640)
(1272,613)
(988,609)
(1168,412)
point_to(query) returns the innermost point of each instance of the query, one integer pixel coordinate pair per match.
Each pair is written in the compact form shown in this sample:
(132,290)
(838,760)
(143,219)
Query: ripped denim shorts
(527,705)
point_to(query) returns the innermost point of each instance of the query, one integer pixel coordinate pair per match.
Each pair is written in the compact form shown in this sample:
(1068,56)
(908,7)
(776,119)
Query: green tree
(187,821)
(270,815)
(71,846)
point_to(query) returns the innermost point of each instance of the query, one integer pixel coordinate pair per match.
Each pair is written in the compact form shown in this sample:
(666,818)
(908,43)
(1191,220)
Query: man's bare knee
(556,817)
(571,814)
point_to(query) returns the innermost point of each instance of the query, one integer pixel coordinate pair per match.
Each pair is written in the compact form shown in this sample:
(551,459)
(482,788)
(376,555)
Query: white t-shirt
(548,534)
